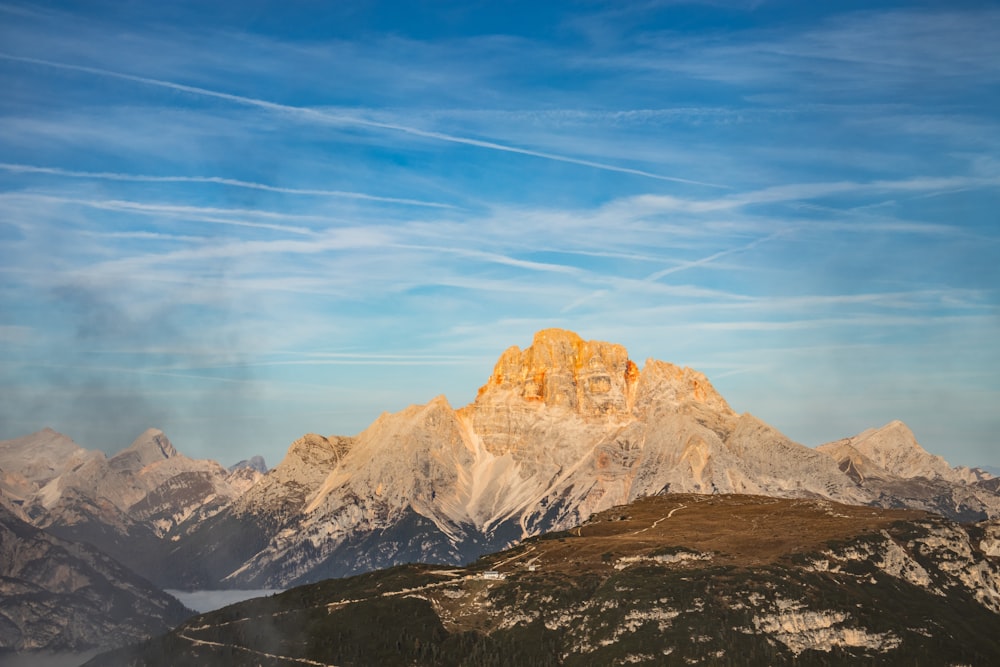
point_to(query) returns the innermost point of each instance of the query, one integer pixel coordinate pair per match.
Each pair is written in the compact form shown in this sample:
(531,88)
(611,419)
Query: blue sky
(243,221)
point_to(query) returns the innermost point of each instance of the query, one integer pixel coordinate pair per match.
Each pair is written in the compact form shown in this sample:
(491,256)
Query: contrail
(142,178)
(327,117)
(708,260)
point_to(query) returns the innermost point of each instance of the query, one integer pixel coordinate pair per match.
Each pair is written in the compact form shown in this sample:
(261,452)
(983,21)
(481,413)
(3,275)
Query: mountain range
(562,430)
(126,505)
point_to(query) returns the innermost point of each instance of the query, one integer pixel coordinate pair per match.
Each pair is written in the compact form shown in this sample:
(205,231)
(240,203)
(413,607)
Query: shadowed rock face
(60,595)
(255,463)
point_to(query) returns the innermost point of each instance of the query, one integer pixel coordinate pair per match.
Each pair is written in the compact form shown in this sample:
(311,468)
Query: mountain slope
(30,462)
(889,463)
(208,550)
(562,429)
(125,505)
(59,595)
(893,450)
(673,579)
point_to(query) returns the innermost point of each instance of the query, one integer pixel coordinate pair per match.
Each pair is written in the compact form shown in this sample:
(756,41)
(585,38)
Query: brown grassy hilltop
(670,579)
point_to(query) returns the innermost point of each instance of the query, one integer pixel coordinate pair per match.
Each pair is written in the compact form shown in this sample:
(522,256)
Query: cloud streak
(216,180)
(375,219)
(342,119)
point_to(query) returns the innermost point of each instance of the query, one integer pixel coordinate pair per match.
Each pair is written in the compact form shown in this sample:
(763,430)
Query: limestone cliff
(560,369)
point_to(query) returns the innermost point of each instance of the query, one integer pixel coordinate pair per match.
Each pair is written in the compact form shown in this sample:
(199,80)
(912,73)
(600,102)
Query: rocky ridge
(126,505)
(890,464)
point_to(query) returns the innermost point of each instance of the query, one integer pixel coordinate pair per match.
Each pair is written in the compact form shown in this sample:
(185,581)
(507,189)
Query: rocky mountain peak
(663,383)
(41,456)
(594,379)
(255,463)
(893,449)
(561,369)
(150,447)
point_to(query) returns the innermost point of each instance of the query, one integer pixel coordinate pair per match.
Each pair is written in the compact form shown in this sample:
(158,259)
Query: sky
(240,222)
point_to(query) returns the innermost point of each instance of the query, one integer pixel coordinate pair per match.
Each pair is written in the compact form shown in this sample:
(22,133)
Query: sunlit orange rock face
(561,369)
(575,380)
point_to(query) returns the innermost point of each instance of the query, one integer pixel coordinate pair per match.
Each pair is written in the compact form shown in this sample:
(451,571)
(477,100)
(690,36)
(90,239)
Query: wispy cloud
(197,213)
(218,180)
(341,119)
(683,266)
(376,218)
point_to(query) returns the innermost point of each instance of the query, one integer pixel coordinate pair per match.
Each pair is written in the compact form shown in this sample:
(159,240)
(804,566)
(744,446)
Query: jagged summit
(150,447)
(592,378)
(562,369)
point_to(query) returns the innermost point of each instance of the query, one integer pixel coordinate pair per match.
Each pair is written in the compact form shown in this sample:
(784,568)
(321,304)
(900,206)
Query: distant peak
(150,447)
(895,434)
(895,449)
(897,425)
(253,463)
(50,434)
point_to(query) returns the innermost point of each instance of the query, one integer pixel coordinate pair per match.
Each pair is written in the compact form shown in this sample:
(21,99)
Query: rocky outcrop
(560,369)
(58,595)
